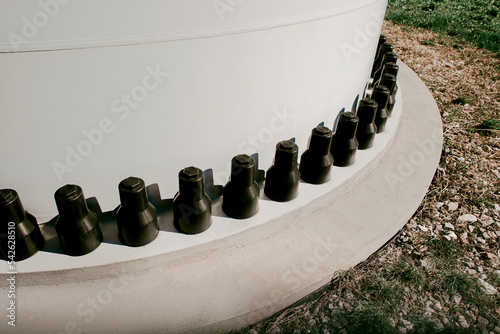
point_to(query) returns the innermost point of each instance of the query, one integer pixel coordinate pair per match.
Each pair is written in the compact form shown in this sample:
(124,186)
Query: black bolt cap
(316,161)
(21,237)
(77,227)
(381,40)
(367,110)
(389,80)
(282,179)
(192,205)
(344,141)
(240,197)
(389,57)
(381,96)
(391,68)
(377,64)
(136,216)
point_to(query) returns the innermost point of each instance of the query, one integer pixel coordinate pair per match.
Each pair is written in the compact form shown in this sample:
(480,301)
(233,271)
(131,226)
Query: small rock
(497,329)
(467,218)
(486,235)
(425,264)
(463,322)
(471,272)
(497,273)
(452,235)
(471,228)
(438,307)
(482,321)
(330,306)
(445,321)
(486,220)
(402,330)
(349,295)
(463,237)
(452,206)
(439,325)
(489,256)
(413,296)
(457,299)
(480,269)
(439,204)
(407,324)
(487,287)
(497,207)
(449,225)
(481,240)
(423,228)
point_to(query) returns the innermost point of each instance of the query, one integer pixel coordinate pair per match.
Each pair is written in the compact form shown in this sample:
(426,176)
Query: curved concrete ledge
(235,281)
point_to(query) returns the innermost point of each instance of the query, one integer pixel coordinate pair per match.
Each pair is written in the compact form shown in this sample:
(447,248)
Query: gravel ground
(441,273)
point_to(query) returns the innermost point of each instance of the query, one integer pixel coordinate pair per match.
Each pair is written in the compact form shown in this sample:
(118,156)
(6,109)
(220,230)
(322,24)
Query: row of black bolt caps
(79,230)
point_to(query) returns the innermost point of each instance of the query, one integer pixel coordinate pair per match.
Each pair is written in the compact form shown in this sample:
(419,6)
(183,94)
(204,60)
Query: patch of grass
(461,100)
(475,21)
(368,319)
(480,201)
(443,249)
(406,272)
(456,282)
(384,292)
(422,325)
(452,329)
(488,127)
(494,278)
(426,42)
(491,124)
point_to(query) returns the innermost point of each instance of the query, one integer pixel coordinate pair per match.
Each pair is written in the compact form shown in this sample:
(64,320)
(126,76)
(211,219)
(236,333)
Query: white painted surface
(234,281)
(228,81)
